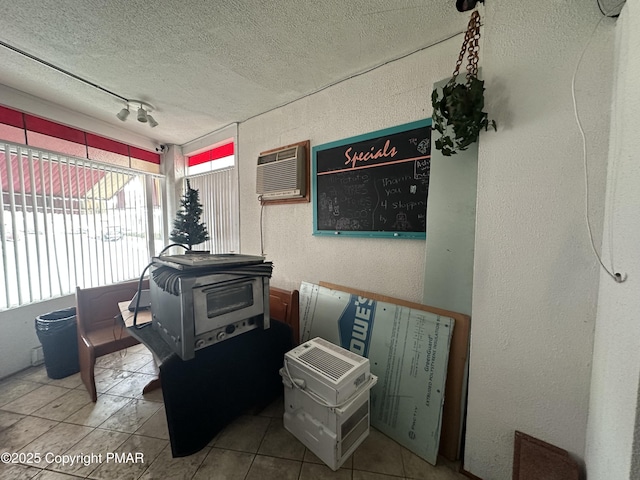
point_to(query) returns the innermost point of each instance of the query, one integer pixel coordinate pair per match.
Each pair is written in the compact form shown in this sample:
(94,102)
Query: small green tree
(187,228)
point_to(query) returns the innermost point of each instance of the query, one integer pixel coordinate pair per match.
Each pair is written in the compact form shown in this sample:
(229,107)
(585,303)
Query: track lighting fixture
(143,110)
(123,114)
(143,113)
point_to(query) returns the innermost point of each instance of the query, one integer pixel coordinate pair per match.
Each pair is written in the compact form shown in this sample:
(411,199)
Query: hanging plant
(460,109)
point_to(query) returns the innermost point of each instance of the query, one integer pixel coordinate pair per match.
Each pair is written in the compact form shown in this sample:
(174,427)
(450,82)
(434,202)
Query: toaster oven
(202,300)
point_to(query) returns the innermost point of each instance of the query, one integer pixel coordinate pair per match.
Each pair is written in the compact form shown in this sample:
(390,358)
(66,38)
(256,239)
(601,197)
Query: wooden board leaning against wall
(456,369)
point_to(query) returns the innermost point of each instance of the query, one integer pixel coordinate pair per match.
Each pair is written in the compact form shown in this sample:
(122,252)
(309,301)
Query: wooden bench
(284,305)
(100,331)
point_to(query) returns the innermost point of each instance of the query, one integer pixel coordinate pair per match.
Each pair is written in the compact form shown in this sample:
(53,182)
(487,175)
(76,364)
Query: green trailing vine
(458,115)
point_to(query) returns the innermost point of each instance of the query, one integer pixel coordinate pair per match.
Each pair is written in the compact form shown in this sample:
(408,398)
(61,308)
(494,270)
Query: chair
(284,305)
(99,330)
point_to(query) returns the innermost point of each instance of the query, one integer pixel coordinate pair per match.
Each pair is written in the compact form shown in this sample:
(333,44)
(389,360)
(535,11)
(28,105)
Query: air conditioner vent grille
(288,153)
(271,157)
(281,175)
(325,362)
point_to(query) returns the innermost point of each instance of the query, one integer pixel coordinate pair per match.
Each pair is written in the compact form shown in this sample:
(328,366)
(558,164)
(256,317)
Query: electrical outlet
(37,356)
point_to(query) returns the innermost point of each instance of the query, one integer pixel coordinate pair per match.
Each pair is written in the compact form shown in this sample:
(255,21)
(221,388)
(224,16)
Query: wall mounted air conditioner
(282,174)
(327,399)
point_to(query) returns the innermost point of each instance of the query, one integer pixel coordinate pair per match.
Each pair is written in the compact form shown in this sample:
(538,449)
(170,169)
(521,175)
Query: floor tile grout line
(98,466)
(154,458)
(301,465)
(42,434)
(32,391)
(404,470)
(246,475)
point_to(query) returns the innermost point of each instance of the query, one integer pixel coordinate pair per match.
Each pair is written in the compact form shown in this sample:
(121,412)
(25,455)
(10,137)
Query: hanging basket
(458,115)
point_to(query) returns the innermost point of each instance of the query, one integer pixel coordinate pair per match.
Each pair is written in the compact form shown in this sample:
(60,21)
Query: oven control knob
(221,335)
(230,329)
(200,343)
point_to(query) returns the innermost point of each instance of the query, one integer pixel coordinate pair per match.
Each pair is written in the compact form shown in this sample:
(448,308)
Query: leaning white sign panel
(408,351)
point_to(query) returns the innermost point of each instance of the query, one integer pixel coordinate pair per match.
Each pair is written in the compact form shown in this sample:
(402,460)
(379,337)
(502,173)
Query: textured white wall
(535,279)
(614,400)
(19,333)
(391,95)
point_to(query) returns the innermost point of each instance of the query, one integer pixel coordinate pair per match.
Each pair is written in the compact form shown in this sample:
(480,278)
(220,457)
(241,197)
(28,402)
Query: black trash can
(57,332)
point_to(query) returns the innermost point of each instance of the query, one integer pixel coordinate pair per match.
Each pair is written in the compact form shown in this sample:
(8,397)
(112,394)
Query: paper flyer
(408,351)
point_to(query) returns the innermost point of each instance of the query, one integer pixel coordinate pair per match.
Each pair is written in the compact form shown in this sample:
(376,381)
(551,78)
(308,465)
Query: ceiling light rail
(144,108)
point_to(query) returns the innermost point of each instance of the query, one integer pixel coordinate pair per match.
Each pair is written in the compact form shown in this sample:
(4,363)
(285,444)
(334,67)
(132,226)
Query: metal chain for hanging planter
(460,108)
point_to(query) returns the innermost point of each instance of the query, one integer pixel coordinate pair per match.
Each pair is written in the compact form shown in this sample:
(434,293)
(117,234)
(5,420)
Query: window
(211,160)
(214,175)
(68,222)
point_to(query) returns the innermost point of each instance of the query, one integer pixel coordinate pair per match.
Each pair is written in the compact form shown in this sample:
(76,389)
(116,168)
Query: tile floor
(41,415)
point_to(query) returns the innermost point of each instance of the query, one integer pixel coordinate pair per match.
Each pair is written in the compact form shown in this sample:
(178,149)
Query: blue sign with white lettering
(356,324)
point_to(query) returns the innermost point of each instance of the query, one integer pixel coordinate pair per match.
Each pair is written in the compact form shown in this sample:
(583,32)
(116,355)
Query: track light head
(142,115)
(152,121)
(123,114)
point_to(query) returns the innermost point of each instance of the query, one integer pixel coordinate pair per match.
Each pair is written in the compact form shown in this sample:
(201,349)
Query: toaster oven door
(219,304)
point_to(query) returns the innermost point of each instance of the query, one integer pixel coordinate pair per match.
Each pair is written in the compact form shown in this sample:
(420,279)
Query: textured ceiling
(204,65)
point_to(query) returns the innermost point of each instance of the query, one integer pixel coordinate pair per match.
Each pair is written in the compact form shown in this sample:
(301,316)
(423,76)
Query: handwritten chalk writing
(372,154)
(344,179)
(334,208)
(422,169)
(347,224)
(366,202)
(361,213)
(357,189)
(395,180)
(408,205)
(401,222)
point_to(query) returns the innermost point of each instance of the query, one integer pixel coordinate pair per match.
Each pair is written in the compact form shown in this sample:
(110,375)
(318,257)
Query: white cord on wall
(261,229)
(616,276)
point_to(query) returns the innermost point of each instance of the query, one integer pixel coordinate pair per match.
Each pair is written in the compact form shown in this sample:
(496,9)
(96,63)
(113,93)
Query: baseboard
(469,474)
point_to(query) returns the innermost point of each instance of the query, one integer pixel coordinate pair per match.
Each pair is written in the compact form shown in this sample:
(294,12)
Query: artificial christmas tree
(187,228)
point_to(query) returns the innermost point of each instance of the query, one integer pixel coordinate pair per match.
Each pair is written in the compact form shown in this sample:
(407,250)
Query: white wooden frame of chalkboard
(424,156)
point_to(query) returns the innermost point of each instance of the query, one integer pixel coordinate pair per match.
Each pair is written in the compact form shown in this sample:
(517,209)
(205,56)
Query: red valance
(31,123)
(211,155)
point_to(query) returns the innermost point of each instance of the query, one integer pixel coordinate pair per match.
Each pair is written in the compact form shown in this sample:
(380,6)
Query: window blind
(68,222)
(218,193)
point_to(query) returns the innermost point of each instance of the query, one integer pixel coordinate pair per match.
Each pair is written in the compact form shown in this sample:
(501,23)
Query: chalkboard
(374,184)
